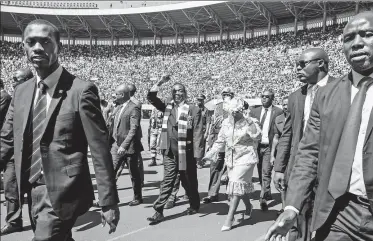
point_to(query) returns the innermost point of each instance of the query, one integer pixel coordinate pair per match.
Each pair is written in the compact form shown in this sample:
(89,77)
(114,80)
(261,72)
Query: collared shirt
(357,185)
(311,90)
(265,129)
(179,109)
(51,81)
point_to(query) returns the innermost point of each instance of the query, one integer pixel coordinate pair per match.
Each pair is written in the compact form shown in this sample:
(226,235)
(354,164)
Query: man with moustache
(181,143)
(336,150)
(312,69)
(50,123)
(21,76)
(13,219)
(266,114)
(125,140)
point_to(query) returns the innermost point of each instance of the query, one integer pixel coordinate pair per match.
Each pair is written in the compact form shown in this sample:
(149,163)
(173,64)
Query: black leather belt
(358,199)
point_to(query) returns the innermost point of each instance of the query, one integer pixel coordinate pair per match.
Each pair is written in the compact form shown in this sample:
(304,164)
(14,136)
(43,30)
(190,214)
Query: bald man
(133,89)
(22,75)
(335,152)
(312,69)
(125,141)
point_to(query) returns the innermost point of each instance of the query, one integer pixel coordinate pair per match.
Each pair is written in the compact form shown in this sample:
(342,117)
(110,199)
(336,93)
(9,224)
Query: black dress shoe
(210,199)
(156,218)
(263,205)
(135,202)
(11,228)
(169,205)
(191,211)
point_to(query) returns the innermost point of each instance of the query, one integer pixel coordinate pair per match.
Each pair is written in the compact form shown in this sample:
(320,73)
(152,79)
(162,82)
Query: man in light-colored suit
(50,123)
(335,152)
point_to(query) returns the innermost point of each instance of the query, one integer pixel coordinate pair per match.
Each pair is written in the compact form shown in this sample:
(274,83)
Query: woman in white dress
(239,136)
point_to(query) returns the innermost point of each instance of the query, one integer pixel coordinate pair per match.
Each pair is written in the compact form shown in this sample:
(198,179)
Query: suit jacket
(293,131)
(5,100)
(194,145)
(74,121)
(128,128)
(255,113)
(139,104)
(279,124)
(317,149)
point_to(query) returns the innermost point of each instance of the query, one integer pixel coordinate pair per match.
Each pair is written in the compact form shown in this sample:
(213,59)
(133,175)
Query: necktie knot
(42,86)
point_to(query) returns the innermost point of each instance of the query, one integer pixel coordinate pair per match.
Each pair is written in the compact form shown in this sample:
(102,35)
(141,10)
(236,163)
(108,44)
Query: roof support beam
(214,16)
(171,22)
(18,21)
(148,22)
(291,8)
(85,25)
(236,12)
(193,21)
(107,25)
(129,25)
(265,12)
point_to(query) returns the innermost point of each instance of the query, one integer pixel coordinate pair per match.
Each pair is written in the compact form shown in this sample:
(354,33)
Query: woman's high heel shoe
(227,228)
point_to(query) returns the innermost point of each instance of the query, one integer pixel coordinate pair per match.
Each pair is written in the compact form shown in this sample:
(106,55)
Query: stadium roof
(186,18)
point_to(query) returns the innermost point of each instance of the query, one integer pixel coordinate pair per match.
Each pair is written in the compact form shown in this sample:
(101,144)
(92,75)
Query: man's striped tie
(38,119)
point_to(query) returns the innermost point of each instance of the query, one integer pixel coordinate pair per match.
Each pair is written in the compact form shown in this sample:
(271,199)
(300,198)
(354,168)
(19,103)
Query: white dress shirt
(357,185)
(51,81)
(265,129)
(311,89)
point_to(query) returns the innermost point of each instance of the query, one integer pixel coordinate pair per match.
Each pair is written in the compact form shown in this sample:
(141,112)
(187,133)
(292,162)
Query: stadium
(208,43)
(250,46)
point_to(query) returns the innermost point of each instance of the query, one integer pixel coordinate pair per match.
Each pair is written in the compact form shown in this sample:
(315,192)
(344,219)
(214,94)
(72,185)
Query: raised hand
(164,79)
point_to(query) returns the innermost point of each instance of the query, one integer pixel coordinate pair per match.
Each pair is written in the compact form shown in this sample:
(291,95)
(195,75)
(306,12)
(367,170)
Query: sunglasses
(303,63)
(267,96)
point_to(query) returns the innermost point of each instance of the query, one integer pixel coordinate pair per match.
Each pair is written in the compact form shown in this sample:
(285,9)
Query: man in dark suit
(312,69)
(125,140)
(266,115)
(5,100)
(13,218)
(336,150)
(278,127)
(50,123)
(217,167)
(181,143)
(133,90)
(21,76)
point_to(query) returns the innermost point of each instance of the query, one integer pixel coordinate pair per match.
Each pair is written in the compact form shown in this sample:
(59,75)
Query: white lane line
(127,234)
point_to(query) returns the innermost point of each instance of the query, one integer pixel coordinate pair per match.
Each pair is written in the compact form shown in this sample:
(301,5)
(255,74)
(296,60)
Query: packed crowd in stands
(248,67)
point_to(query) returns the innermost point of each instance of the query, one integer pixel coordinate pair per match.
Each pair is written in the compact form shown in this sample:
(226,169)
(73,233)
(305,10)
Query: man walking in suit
(278,127)
(5,100)
(217,167)
(181,142)
(13,218)
(125,139)
(266,114)
(50,123)
(336,150)
(312,69)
